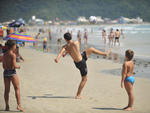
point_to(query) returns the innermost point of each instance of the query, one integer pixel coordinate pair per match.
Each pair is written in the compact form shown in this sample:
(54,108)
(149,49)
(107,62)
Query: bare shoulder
(125,64)
(132,63)
(76,42)
(64,46)
(13,55)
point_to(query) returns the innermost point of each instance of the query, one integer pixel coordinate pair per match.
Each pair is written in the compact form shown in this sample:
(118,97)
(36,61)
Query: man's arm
(60,54)
(124,72)
(65,53)
(21,58)
(14,62)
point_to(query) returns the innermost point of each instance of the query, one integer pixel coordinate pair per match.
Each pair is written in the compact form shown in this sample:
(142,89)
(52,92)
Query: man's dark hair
(10,43)
(67,36)
(129,54)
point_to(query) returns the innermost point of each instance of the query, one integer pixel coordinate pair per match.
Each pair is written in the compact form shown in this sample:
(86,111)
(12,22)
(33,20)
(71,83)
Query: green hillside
(71,9)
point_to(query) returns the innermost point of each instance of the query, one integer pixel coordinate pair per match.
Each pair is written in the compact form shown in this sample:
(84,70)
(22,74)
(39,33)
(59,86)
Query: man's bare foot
(7,108)
(78,97)
(128,109)
(20,108)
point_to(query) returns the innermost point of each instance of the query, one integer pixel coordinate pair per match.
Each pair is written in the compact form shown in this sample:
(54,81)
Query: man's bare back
(117,34)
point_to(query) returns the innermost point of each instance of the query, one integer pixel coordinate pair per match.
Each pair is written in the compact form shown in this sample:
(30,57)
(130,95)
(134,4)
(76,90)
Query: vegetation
(71,9)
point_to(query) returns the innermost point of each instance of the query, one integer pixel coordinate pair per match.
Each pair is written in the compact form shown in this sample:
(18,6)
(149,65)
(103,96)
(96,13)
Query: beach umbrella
(16,24)
(23,37)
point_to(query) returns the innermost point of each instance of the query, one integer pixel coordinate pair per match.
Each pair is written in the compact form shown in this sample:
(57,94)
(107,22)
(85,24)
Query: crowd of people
(85,36)
(113,37)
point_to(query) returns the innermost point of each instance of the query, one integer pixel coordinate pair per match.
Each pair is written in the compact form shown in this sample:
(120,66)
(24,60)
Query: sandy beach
(47,87)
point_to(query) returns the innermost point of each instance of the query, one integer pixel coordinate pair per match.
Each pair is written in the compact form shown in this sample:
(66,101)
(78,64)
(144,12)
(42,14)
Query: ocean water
(136,37)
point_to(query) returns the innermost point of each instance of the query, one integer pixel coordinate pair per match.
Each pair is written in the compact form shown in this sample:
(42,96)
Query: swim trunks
(130,79)
(85,37)
(116,38)
(44,46)
(9,73)
(82,65)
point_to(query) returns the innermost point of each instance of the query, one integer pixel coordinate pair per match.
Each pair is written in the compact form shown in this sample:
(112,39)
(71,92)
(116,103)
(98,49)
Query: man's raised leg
(91,50)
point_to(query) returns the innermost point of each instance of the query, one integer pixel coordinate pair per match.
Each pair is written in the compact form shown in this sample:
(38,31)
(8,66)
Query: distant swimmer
(122,33)
(79,36)
(111,37)
(49,34)
(37,36)
(85,37)
(73,49)
(117,36)
(59,41)
(104,34)
(45,44)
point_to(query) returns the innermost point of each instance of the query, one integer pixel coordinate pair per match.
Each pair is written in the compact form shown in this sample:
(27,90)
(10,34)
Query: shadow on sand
(2,111)
(50,96)
(107,108)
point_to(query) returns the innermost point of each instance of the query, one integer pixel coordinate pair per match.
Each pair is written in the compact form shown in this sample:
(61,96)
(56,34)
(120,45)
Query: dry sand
(47,87)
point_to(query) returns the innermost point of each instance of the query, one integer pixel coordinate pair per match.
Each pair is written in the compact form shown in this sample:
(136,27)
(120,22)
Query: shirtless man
(9,65)
(111,38)
(104,36)
(73,49)
(122,33)
(49,35)
(117,36)
(85,37)
(79,36)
